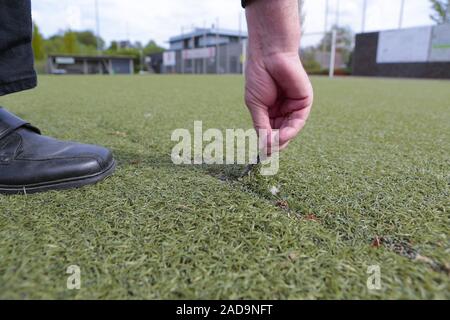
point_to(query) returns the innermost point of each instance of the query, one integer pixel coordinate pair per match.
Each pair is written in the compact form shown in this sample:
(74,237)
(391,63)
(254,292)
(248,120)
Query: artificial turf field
(372,163)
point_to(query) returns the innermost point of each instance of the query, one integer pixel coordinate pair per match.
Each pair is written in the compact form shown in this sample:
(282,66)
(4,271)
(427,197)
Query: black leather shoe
(30,162)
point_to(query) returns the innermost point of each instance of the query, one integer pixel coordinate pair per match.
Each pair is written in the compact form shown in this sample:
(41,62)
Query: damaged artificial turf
(373,163)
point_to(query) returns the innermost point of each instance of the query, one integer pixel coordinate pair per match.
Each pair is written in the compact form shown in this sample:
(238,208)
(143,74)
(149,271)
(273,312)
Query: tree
(113,47)
(308,57)
(38,44)
(344,38)
(89,39)
(152,48)
(70,42)
(441,10)
(54,44)
(344,42)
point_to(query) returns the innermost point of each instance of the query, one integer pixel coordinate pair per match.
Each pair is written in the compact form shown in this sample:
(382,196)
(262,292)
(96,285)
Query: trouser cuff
(18,85)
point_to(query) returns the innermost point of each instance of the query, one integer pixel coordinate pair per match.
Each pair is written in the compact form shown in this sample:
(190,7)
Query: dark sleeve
(245,3)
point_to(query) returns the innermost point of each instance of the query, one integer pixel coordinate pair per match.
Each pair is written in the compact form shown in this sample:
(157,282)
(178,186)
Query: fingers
(292,125)
(289,121)
(284,146)
(261,123)
(295,107)
(290,105)
(261,92)
(279,97)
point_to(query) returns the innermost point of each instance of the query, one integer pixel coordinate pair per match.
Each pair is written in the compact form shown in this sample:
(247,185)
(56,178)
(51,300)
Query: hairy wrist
(274,27)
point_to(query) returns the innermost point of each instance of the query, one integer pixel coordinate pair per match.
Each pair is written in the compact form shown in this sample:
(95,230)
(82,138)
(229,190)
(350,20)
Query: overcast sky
(141,20)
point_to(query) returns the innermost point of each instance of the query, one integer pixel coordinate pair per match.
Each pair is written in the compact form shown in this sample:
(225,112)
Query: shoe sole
(60,185)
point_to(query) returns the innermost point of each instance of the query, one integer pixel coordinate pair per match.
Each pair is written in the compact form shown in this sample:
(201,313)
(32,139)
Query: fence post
(333,52)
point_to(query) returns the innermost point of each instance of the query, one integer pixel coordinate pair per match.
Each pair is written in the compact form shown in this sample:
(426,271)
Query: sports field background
(372,163)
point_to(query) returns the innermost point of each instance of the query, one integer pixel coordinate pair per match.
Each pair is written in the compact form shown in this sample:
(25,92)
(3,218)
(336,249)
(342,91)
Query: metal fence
(227,59)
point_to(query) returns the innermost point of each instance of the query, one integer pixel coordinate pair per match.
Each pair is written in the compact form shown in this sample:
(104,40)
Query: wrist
(274,27)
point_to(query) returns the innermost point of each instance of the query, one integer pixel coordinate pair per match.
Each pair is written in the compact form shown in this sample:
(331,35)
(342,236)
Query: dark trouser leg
(16,55)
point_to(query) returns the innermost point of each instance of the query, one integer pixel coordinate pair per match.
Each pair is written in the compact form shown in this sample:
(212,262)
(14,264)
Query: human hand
(278,93)
(279,96)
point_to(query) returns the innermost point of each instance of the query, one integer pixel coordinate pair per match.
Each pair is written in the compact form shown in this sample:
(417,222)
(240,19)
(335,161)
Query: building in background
(154,62)
(422,52)
(206,50)
(74,64)
(125,44)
